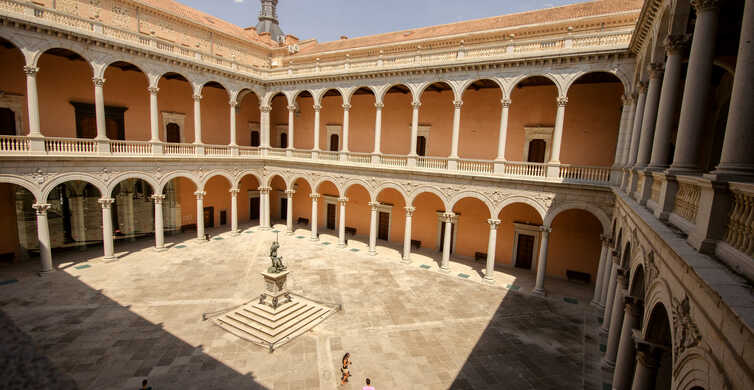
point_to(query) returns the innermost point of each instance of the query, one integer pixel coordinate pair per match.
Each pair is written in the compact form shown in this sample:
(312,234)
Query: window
(421,145)
(254,138)
(537,143)
(284,140)
(173,133)
(537,149)
(334,142)
(86,121)
(7,121)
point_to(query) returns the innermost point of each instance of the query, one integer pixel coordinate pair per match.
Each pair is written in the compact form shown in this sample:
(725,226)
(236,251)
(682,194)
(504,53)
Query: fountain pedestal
(276,293)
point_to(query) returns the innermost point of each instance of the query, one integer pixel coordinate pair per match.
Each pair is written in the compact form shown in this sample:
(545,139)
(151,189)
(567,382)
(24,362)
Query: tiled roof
(592,8)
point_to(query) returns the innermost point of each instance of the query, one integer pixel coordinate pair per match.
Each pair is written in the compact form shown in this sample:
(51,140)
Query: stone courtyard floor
(96,324)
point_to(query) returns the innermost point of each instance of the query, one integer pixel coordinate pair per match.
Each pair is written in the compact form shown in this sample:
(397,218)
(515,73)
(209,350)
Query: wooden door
(283,140)
(209,217)
(334,142)
(253,208)
(537,149)
(524,251)
(383,232)
(223,217)
(173,133)
(254,138)
(331,216)
(421,145)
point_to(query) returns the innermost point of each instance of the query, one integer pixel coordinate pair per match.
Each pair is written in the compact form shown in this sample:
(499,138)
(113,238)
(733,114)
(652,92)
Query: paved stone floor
(96,324)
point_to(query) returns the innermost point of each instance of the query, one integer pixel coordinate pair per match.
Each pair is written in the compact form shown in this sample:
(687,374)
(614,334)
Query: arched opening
(126,102)
(302,204)
(358,213)
(531,116)
(215,117)
(575,246)
(518,237)
(304,121)
(472,229)
(361,123)
(13,113)
(75,215)
(331,120)
(179,206)
(20,242)
(278,203)
(327,208)
(217,208)
(658,332)
(480,120)
(626,256)
(592,120)
(248,119)
(436,119)
(279,121)
(133,210)
(427,218)
(176,106)
(65,103)
(396,122)
(248,200)
(391,216)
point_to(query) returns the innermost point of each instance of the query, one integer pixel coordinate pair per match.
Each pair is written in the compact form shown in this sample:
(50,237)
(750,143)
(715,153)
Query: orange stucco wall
(574,244)
(9,238)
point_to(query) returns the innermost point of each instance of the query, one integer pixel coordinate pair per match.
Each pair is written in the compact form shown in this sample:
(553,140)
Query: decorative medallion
(686,332)
(38,176)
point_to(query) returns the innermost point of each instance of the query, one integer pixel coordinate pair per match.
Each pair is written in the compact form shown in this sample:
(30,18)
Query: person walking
(368,386)
(144,385)
(344,371)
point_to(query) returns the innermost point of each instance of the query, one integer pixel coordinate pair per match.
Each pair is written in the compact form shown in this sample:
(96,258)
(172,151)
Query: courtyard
(96,324)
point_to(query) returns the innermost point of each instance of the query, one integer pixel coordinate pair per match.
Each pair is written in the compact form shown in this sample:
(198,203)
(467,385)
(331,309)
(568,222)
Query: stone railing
(276,152)
(525,169)
(302,154)
(14,143)
(131,148)
(686,202)
(217,150)
(476,166)
(179,149)
(656,190)
(740,229)
(248,151)
(584,173)
(432,162)
(393,161)
(360,158)
(70,146)
(329,156)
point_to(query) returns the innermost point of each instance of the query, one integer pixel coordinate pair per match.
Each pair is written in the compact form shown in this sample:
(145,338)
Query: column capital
(409,210)
(315,196)
(234,191)
(705,5)
(200,194)
(457,104)
(627,100)
(506,102)
(317,107)
(562,101)
(675,44)
(98,81)
(621,277)
(106,202)
(642,87)
(634,306)
(649,354)
(379,105)
(494,223)
(343,200)
(153,90)
(416,104)
(265,109)
(290,193)
(41,208)
(233,103)
(374,205)
(448,216)
(158,198)
(264,190)
(545,229)
(30,70)
(606,239)
(346,107)
(197,97)
(292,107)
(656,70)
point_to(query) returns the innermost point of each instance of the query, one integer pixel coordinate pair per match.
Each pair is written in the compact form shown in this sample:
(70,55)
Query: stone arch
(62,45)
(376,191)
(467,83)
(348,94)
(26,184)
(423,189)
(272,175)
(638,279)
(160,76)
(237,180)
(17,44)
(615,72)
(211,174)
(199,87)
(521,199)
(697,368)
(472,194)
(241,94)
(361,182)
(596,211)
(184,174)
(320,95)
(380,95)
(266,100)
(523,77)
(315,188)
(85,177)
(423,87)
(662,30)
(293,179)
(625,254)
(130,175)
(658,293)
(295,95)
(110,61)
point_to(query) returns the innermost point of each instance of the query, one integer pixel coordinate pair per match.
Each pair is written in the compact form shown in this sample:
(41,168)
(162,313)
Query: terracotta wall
(9,238)
(13,80)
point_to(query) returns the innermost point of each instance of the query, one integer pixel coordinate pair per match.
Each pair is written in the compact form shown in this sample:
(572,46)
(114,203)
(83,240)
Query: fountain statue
(277,261)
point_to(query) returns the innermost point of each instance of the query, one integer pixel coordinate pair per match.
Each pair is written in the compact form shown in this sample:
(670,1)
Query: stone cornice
(649,12)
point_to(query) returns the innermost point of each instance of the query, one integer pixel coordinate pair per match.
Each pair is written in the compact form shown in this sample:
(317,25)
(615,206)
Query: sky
(328,20)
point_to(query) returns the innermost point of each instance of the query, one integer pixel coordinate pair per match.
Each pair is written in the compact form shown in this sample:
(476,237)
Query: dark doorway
(524,251)
(537,149)
(223,217)
(284,140)
(442,236)
(334,142)
(86,121)
(254,208)
(173,133)
(7,121)
(283,208)
(254,138)
(209,217)
(383,232)
(331,216)
(421,145)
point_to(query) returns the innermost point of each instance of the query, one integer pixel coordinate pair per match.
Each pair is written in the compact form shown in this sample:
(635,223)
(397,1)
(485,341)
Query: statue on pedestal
(277,261)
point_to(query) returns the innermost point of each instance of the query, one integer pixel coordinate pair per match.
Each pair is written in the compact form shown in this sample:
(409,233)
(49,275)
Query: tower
(268,20)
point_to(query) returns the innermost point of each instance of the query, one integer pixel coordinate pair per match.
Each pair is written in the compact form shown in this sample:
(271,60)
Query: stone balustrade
(131,148)
(70,146)
(740,228)
(687,203)
(13,143)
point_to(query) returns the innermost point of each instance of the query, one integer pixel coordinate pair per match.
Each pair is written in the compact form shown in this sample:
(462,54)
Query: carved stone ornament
(39,176)
(157,174)
(686,332)
(652,270)
(105,175)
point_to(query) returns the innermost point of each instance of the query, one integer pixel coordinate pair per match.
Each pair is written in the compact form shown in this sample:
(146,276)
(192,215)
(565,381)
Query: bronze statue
(277,261)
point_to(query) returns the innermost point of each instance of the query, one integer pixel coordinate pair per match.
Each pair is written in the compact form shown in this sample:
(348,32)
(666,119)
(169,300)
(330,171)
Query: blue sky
(327,20)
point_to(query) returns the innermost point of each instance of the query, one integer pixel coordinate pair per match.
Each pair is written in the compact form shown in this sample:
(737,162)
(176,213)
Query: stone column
(78,220)
(491,247)
(265,126)
(373,228)
(154,114)
(503,134)
(43,233)
(159,234)
(414,127)
(107,227)
(624,366)
(342,222)
(200,214)
(626,147)
(291,117)
(648,357)
(315,210)
(99,107)
(670,98)
(616,319)
(539,288)
(197,119)
(233,108)
(608,294)
(407,235)
(289,211)
(650,115)
(737,160)
(697,89)
(636,133)
(624,130)
(264,207)
(317,108)
(32,102)
(128,199)
(557,136)
(346,127)
(234,210)
(456,128)
(601,270)
(448,220)
(378,128)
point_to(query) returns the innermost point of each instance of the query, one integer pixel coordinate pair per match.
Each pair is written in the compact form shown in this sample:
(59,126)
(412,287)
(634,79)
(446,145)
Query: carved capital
(642,87)
(292,107)
(233,103)
(409,211)
(379,105)
(158,199)
(656,70)
(416,105)
(98,81)
(31,70)
(649,355)
(106,202)
(199,195)
(41,208)
(290,193)
(562,101)
(506,102)
(315,196)
(634,306)
(317,107)
(265,190)
(343,200)
(153,90)
(705,5)
(627,100)
(448,216)
(373,205)
(234,191)
(457,104)
(346,107)
(197,97)
(675,44)
(265,109)
(494,223)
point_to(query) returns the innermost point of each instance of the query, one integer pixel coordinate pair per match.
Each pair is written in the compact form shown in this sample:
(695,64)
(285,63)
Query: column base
(341,245)
(597,304)
(372,252)
(160,249)
(264,228)
(405,260)
(607,366)
(110,258)
(730,175)
(43,274)
(539,292)
(445,270)
(201,240)
(235,232)
(313,238)
(289,232)
(488,280)
(683,171)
